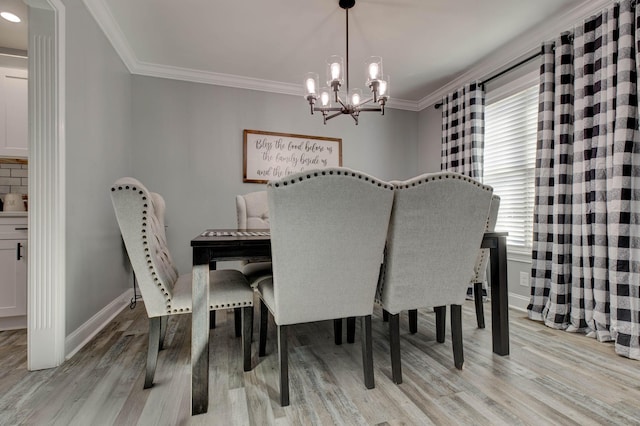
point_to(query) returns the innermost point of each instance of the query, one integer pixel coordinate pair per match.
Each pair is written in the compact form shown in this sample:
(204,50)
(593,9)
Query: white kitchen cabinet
(14,125)
(13,266)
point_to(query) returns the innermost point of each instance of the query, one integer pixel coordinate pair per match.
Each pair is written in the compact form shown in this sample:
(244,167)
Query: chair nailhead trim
(331,172)
(145,244)
(444,175)
(230,305)
(154,275)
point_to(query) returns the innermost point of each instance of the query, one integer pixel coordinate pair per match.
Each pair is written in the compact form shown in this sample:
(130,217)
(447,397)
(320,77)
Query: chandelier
(350,101)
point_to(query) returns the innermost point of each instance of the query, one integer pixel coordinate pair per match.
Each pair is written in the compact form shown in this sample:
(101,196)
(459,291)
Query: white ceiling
(14,35)
(270,45)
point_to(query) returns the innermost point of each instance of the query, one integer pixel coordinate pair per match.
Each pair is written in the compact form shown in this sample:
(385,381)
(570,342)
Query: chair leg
(394,346)
(385,316)
(152,353)
(456,336)
(212,320)
(367,353)
(337,331)
(237,318)
(264,319)
(284,365)
(351,329)
(477,297)
(413,321)
(441,316)
(163,331)
(247,333)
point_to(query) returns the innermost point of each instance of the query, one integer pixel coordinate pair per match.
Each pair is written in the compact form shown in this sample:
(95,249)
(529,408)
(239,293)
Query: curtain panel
(463,131)
(586,252)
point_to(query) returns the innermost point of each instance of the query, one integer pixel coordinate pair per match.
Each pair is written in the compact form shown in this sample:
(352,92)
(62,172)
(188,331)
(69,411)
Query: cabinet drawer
(15,230)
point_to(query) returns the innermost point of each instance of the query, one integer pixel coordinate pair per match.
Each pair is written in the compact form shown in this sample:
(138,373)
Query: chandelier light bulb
(382,89)
(355,97)
(373,67)
(325,98)
(335,71)
(311,86)
(373,71)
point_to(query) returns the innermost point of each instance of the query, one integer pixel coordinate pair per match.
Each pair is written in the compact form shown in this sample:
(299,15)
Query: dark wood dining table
(215,245)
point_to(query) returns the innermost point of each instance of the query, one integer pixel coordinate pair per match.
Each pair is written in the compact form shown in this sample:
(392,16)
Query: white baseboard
(13,323)
(83,334)
(519,302)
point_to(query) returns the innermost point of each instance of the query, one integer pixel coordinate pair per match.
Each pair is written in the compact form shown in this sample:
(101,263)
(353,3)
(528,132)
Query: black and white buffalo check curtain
(463,131)
(463,135)
(586,249)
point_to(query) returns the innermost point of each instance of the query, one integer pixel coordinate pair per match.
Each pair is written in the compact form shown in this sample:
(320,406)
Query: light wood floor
(550,377)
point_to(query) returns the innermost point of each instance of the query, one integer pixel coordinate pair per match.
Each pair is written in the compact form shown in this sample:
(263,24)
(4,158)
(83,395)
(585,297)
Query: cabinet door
(13,112)
(13,278)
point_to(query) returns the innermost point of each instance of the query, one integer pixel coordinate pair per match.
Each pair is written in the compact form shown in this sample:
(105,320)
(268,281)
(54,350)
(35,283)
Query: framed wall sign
(269,155)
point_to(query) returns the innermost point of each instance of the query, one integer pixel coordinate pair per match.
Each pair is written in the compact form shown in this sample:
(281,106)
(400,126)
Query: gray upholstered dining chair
(436,228)
(252,212)
(140,217)
(328,230)
(480,268)
(479,272)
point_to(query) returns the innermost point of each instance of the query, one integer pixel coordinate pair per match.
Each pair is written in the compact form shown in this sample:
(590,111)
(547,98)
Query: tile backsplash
(14,178)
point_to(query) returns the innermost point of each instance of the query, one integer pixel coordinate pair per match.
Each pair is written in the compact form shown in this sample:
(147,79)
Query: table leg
(200,332)
(212,314)
(499,297)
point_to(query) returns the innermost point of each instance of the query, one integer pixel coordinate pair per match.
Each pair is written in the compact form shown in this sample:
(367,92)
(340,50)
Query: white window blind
(509,162)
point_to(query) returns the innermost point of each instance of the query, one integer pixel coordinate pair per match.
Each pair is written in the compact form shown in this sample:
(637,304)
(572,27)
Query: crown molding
(523,45)
(114,34)
(403,104)
(102,15)
(218,79)
(229,80)
(502,58)
(38,4)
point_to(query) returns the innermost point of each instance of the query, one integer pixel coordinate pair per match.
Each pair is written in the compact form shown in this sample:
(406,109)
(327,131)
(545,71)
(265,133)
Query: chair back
(252,210)
(159,206)
(140,215)
(480,267)
(328,230)
(436,229)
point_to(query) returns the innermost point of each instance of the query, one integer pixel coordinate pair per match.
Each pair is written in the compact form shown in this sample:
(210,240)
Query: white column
(46,273)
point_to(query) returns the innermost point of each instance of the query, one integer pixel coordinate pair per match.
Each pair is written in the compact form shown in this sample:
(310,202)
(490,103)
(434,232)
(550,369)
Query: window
(509,159)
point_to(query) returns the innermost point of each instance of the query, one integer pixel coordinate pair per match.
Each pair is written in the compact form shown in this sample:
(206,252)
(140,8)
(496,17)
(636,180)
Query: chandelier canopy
(349,101)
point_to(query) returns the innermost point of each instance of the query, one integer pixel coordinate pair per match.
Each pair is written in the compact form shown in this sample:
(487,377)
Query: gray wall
(188,147)
(184,140)
(429,138)
(98,151)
